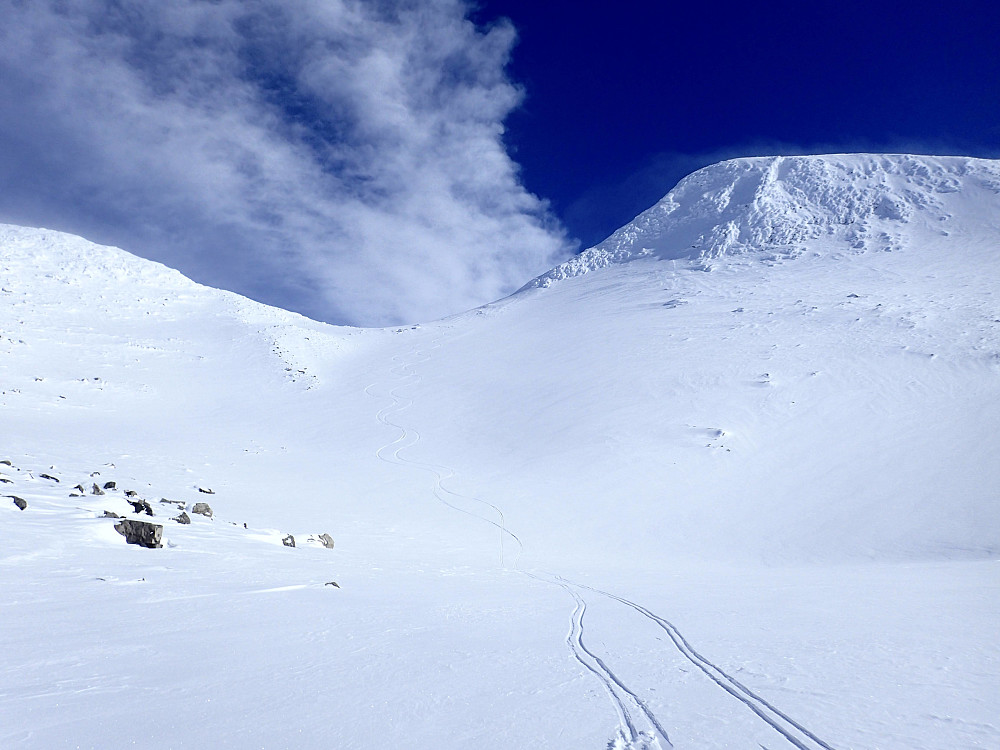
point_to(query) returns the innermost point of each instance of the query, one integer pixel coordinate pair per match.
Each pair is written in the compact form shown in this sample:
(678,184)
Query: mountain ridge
(774,206)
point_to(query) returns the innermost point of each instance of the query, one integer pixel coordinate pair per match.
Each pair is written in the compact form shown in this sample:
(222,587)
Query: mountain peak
(776,206)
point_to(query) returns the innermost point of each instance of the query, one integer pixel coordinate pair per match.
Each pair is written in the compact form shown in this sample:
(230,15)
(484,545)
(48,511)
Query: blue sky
(624,99)
(387,161)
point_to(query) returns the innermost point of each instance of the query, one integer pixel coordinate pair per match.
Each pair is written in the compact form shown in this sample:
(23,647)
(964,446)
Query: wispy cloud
(338,157)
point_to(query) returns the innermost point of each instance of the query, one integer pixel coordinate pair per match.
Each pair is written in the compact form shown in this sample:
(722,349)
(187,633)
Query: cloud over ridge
(341,158)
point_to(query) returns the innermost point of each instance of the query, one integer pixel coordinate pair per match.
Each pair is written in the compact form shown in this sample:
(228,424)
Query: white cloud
(341,158)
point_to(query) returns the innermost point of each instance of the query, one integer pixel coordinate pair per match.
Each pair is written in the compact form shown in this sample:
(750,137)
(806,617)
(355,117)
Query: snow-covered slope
(726,480)
(782,206)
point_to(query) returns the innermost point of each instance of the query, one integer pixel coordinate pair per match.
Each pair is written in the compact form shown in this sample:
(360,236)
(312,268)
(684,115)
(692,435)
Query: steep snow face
(782,206)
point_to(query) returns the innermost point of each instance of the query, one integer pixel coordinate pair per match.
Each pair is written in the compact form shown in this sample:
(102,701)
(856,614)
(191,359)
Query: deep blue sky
(624,98)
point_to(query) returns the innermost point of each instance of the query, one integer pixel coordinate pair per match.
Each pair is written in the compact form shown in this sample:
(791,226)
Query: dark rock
(5,480)
(95,473)
(109,514)
(206,491)
(6,462)
(141,506)
(48,476)
(79,488)
(326,540)
(202,509)
(110,486)
(182,518)
(288,541)
(141,533)
(97,491)
(332,583)
(18,501)
(131,493)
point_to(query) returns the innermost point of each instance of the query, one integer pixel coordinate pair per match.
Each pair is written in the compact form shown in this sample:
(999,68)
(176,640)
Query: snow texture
(775,207)
(635,505)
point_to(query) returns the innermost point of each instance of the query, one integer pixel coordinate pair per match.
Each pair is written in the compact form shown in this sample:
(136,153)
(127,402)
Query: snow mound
(776,206)
(45,255)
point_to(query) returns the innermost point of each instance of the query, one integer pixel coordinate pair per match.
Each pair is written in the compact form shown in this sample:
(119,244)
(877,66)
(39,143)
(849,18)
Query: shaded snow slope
(643,507)
(780,206)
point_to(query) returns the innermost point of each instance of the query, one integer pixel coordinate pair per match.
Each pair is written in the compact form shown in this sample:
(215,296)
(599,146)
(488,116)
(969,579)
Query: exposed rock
(79,488)
(47,476)
(109,514)
(132,493)
(140,532)
(326,540)
(182,518)
(110,486)
(141,506)
(6,462)
(202,509)
(18,501)
(95,473)
(332,583)
(97,491)
(5,480)
(206,491)
(288,541)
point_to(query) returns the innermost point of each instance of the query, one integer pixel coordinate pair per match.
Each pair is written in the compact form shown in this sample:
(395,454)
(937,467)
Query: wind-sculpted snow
(779,207)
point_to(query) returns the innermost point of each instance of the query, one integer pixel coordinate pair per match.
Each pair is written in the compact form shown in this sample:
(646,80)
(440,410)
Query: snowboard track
(625,700)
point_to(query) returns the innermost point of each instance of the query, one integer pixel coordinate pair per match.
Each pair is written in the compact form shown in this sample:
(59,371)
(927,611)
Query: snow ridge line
(629,737)
(790,729)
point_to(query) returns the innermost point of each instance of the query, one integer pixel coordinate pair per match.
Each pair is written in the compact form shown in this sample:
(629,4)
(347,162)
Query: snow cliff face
(781,206)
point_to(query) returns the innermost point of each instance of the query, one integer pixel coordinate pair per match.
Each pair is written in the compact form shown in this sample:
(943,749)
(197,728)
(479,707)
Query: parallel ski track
(786,726)
(621,696)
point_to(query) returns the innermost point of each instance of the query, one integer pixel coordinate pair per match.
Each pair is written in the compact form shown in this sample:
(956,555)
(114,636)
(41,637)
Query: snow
(726,480)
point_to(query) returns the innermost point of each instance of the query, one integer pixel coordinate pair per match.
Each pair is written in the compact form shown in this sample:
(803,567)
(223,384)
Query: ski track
(624,700)
(787,727)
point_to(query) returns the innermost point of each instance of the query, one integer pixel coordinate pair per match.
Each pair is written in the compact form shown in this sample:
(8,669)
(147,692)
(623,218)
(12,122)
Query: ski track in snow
(628,737)
(626,701)
(787,727)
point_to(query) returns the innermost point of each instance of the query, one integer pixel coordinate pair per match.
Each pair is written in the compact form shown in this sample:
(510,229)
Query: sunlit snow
(727,480)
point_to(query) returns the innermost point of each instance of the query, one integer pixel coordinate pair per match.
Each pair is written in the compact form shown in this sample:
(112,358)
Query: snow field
(736,497)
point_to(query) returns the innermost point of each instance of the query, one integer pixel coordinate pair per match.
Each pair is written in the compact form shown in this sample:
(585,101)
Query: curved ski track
(626,702)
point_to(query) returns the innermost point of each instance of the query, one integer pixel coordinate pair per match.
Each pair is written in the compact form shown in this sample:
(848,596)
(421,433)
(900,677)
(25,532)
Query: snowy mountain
(727,479)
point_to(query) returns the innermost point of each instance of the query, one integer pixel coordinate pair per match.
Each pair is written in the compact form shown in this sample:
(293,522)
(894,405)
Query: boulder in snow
(140,532)
(202,509)
(141,506)
(288,541)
